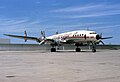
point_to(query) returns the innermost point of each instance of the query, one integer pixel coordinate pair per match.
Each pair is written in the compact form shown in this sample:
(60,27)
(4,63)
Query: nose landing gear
(93,47)
(78,49)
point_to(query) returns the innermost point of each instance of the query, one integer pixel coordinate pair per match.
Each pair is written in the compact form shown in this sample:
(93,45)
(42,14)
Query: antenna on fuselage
(56,33)
(87,28)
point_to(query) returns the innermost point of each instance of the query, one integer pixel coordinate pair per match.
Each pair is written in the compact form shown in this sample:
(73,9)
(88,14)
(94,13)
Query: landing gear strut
(93,47)
(93,50)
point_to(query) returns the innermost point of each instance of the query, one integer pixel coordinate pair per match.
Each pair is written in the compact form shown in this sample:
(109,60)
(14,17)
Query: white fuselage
(76,36)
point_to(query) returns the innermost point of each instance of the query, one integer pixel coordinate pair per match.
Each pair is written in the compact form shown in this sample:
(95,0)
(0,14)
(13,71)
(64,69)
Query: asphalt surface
(61,66)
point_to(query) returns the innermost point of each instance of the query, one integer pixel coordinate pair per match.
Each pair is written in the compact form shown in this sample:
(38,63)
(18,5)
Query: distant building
(4,41)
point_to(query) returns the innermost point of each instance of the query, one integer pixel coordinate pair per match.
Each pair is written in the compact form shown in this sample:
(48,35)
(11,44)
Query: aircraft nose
(98,37)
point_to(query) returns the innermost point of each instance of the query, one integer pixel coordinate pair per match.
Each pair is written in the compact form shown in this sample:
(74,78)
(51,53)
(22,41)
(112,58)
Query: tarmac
(61,66)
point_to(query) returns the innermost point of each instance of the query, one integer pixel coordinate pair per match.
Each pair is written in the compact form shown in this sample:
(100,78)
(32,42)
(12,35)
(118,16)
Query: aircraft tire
(53,49)
(78,49)
(93,50)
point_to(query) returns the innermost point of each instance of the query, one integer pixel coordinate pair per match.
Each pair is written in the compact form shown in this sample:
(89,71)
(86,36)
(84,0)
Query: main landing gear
(53,49)
(77,49)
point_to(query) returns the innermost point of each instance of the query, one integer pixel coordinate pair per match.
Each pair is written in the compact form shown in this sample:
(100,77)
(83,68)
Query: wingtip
(5,34)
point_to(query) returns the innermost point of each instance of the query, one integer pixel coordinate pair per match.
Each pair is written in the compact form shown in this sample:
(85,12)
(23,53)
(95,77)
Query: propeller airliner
(78,38)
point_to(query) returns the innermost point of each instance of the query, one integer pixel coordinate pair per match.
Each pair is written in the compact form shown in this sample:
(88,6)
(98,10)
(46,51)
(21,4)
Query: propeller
(100,38)
(42,38)
(25,34)
(43,34)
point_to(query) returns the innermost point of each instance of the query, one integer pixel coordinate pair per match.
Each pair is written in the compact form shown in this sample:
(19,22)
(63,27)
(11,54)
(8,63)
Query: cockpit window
(93,33)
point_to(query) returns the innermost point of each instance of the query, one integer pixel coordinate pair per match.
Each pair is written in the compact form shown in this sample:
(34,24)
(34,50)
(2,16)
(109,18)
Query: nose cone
(98,37)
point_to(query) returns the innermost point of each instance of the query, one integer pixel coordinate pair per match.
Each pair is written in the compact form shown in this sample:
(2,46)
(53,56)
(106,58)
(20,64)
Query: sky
(51,16)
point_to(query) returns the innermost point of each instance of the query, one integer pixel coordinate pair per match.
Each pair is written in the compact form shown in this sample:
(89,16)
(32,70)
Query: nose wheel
(78,49)
(94,50)
(93,47)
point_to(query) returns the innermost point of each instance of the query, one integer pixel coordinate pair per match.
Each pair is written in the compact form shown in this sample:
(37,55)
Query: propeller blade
(98,37)
(102,42)
(106,38)
(42,42)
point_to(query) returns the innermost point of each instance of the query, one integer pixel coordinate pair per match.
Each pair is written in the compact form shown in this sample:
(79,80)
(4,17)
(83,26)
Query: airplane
(78,38)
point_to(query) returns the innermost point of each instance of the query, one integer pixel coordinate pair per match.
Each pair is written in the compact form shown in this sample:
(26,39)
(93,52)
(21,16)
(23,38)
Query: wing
(24,37)
(50,41)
